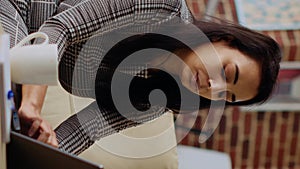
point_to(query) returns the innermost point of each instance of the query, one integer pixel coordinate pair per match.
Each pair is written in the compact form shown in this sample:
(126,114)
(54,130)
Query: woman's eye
(227,96)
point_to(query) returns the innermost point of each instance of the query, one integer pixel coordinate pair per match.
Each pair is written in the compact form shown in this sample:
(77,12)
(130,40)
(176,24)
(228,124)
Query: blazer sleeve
(78,20)
(94,122)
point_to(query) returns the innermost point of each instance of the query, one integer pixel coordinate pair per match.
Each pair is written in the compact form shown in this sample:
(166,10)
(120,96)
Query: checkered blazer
(73,25)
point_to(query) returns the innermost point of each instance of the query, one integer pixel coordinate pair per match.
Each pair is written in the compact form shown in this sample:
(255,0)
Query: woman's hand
(32,124)
(36,127)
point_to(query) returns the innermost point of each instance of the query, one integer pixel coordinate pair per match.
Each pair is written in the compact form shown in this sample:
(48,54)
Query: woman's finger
(48,138)
(45,127)
(53,140)
(34,127)
(44,137)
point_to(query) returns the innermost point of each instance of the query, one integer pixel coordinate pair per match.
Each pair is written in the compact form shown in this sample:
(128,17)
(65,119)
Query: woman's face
(222,73)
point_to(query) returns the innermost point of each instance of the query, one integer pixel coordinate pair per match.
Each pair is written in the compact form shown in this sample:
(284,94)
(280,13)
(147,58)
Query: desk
(5,115)
(2,153)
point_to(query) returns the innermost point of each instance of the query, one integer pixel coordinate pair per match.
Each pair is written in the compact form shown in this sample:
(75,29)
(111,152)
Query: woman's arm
(94,122)
(32,123)
(77,21)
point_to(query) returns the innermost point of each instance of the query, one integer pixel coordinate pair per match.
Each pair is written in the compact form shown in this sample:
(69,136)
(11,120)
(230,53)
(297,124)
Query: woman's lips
(201,81)
(195,82)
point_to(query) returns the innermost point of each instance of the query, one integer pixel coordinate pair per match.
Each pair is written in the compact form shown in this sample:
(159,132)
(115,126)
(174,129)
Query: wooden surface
(3,153)
(3,145)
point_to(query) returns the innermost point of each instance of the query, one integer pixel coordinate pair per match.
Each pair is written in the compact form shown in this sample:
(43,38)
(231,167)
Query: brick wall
(258,140)
(289,40)
(253,139)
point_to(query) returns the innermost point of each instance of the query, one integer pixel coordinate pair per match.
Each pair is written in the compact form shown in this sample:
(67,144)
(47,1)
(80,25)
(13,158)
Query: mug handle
(33,36)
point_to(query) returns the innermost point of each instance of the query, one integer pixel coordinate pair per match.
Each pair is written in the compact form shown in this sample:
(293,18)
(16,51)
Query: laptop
(24,152)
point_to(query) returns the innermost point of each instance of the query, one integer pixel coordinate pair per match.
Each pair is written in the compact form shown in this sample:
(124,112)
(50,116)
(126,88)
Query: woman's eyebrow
(236,76)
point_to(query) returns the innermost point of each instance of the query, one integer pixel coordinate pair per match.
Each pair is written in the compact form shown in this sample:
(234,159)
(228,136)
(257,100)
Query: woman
(245,73)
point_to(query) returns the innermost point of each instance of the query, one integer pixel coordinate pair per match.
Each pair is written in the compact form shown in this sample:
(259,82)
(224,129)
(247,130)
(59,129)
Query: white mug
(34,64)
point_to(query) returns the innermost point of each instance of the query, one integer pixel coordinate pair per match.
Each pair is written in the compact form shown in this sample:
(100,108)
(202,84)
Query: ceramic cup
(34,64)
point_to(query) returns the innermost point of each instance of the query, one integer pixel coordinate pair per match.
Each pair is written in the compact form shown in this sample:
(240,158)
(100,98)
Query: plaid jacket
(72,24)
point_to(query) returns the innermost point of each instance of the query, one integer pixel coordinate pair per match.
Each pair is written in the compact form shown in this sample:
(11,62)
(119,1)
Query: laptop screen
(26,153)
